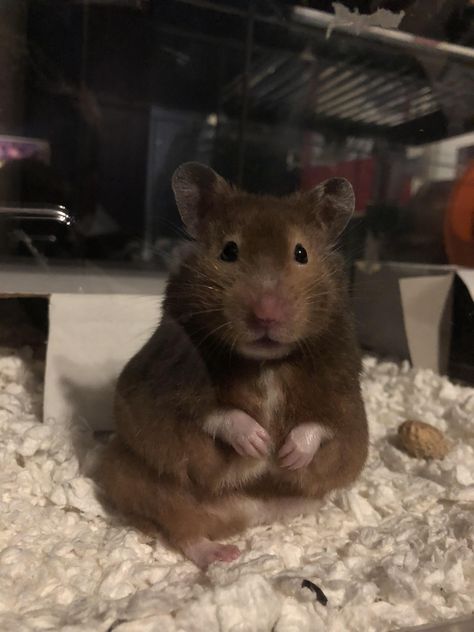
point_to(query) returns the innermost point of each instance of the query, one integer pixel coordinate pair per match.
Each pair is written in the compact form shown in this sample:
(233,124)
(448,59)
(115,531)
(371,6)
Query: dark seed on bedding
(320,596)
(115,624)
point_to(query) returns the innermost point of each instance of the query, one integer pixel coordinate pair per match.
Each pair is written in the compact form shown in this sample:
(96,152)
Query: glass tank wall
(102,99)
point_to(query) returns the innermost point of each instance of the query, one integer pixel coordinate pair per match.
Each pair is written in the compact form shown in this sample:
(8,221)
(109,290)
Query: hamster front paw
(246,436)
(242,432)
(301,445)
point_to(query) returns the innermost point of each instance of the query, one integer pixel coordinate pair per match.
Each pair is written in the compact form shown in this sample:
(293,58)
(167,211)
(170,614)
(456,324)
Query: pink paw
(301,445)
(225,553)
(204,552)
(246,436)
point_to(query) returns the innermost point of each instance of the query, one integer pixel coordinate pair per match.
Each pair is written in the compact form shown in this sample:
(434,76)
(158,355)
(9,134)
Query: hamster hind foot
(204,552)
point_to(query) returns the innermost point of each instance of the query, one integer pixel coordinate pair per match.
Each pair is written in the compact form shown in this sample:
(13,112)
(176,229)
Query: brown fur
(162,466)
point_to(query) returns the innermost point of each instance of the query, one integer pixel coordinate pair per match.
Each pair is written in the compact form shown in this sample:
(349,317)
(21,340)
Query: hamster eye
(301,256)
(230,252)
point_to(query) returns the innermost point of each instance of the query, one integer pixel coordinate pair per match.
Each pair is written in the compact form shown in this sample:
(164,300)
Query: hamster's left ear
(332,203)
(197,190)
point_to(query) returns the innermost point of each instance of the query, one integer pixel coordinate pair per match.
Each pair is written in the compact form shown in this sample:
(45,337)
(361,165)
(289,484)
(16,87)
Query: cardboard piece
(32,280)
(425,304)
(98,318)
(378,310)
(405,311)
(91,338)
(467,277)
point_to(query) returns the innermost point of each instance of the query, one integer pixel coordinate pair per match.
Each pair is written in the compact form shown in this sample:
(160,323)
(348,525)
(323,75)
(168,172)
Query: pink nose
(268,311)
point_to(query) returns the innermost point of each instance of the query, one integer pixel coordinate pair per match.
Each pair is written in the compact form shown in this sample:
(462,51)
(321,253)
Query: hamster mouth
(265,347)
(266,342)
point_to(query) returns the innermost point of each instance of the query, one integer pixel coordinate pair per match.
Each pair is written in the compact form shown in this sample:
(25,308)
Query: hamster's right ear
(196,188)
(332,203)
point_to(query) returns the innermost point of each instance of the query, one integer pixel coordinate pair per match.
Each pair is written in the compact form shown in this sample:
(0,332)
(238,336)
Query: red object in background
(459,221)
(359,172)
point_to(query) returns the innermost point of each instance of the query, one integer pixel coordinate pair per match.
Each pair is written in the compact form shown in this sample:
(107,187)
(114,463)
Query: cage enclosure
(100,102)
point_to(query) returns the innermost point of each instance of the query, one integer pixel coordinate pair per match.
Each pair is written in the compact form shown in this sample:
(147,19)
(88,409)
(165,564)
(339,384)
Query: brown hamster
(247,395)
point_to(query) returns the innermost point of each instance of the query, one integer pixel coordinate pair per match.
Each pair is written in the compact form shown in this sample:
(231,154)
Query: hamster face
(263,279)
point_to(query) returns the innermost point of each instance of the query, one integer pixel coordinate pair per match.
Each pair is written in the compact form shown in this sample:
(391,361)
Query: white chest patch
(272,395)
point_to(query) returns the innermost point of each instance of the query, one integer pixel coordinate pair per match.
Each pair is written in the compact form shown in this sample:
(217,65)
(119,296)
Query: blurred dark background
(119,92)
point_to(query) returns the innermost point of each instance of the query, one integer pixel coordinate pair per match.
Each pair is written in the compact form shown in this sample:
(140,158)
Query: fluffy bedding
(395,550)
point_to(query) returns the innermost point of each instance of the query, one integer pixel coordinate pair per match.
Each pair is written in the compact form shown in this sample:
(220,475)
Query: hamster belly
(245,471)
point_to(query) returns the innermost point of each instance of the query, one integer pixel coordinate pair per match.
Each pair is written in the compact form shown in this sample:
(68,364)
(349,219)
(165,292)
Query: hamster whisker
(209,286)
(306,349)
(319,279)
(213,331)
(180,230)
(322,276)
(215,345)
(232,347)
(206,311)
(310,299)
(312,294)
(206,275)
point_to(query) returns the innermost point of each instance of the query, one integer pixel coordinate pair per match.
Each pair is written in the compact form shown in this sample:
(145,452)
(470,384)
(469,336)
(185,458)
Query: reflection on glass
(102,101)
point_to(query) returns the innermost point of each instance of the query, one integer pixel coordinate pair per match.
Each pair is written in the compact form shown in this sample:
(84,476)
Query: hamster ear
(196,188)
(333,203)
